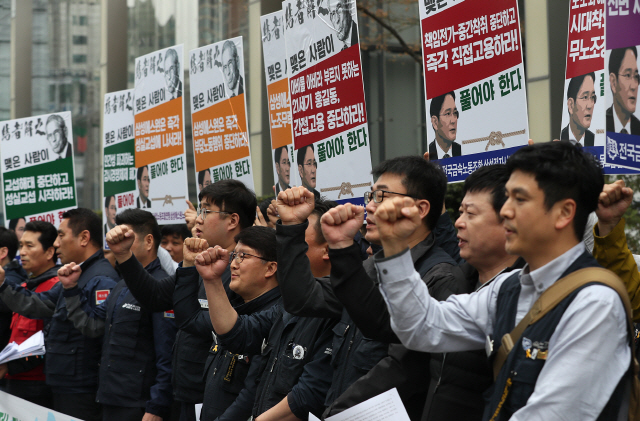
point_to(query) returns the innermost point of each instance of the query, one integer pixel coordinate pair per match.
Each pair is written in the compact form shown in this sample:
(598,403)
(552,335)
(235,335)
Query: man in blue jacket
(135,371)
(72,359)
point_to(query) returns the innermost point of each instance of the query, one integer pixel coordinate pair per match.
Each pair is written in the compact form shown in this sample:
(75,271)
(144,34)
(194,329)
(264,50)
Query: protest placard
(476,103)
(275,70)
(159,135)
(621,98)
(14,408)
(37,168)
(120,180)
(219,114)
(329,118)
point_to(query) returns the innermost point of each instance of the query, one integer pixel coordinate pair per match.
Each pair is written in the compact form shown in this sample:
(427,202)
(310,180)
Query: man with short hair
(137,340)
(142,201)
(57,135)
(204,179)
(552,189)
(226,207)
(110,210)
(172,71)
(15,274)
(72,359)
(344,24)
(17,225)
(283,168)
(173,237)
(26,377)
(231,69)
(581,100)
(444,120)
(623,80)
(308,167)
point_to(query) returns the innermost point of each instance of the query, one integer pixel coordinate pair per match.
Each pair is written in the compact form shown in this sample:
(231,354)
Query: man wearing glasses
(444,120)
(624,79)
(172,74)
(226,208)
(231,69)
(581,100)
(308,167)
(57,136)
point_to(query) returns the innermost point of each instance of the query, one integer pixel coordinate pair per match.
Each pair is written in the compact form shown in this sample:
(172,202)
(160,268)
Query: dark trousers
(187,411)
(120,413)
(79,405)
(33,391)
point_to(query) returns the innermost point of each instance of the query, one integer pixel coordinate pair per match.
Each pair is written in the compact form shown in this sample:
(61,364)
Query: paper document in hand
(32,346)
(385,406)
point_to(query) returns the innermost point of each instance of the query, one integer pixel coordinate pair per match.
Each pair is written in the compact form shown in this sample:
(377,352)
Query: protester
(25,376)
(226,207)
(173,237)
(15,274)
(295,351)
(230,388)
(570,364)
(72,359)
(135,370)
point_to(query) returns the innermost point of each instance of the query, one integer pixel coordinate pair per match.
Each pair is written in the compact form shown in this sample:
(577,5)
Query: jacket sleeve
(360,295)
(35,305)
(89,324)
(302,293)
(613,253)
(153,294)
(164,335)
(249,332)
(22,365)
(190,316)
(309,393)
(242,407)
(447,237)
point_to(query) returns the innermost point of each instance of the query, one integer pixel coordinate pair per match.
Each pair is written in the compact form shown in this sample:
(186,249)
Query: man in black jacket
(458,380)
(15,274)
(135,370)
(72,359)
(226,207)
(355,354)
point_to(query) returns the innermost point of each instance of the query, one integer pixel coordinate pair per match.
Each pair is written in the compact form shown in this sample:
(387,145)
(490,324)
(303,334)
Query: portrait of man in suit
(110,210)
(172,74)
(308,167)
(581,100)
(444,120)
(344,24)
(204,179)
(143,201)
(624,80)
(283,168)
(231,69)
(57,134)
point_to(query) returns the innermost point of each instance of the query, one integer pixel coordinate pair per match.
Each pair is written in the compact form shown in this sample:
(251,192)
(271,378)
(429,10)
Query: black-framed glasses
(629,76)
(239,256)
(203,212)
(448,114)
(378,196)
(587,97)
(310,163)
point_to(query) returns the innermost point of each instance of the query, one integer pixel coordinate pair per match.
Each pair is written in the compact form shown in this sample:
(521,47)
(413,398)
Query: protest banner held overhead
(120,174)
(621,92)
(275,70)
(161,174)
(219,113)
(329,118)
(38,175)
(476,102)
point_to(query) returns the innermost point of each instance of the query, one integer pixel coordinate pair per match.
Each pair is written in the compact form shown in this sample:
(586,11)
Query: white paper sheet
(386,406)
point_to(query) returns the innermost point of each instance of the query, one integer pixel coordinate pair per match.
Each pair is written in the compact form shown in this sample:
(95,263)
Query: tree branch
(405,47)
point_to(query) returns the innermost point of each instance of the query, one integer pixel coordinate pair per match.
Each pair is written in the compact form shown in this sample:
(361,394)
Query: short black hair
(436,103)
(13,223)
(81,219)
(277,154)
(180,230)
(575,84)
(562,171)
(142,222)
(234,197)
(107,200)
(261,239)
(616,57)
(9,239)
(201,175)
(264,205)
(48,234)
(322,206)
(139,174)
(492,179)
(423,180)
(302,152)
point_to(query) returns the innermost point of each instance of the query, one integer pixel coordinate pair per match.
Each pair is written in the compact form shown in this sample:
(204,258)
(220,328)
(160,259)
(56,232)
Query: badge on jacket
(101,295)
(535,350)
(169,314)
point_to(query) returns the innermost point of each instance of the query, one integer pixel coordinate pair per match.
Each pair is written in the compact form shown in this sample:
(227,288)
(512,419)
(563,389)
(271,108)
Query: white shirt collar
(617,124)
(63,154)
(542,278)
(441,151)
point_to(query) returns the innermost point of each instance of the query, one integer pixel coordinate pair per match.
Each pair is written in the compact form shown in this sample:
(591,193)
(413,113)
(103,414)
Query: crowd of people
(301,305)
